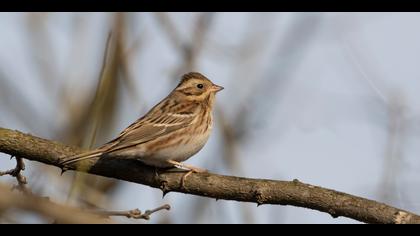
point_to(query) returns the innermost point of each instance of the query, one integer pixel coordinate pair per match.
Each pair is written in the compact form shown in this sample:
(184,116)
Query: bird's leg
(192,169)
(188,167)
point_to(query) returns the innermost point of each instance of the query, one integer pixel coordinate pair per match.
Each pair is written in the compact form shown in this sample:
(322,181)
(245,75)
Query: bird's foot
(191,169)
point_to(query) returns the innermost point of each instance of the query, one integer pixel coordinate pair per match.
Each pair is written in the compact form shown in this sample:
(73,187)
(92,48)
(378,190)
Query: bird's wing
(154,124)
(139,132)
(147,129)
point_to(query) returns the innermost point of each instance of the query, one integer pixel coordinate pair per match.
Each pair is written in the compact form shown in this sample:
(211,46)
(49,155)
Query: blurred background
(330,99)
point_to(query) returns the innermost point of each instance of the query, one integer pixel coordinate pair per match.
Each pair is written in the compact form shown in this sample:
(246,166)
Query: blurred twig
(199,35)
(42,206)
(366,75)
(189,51)
(388,189)
(170,29)
(97,118)
(40,46)
(126,58)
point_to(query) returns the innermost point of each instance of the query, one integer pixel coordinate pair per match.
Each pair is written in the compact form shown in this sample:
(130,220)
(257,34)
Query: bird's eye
(200,86)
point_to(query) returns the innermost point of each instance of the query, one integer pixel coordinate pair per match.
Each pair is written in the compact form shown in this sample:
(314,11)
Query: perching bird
(170,133)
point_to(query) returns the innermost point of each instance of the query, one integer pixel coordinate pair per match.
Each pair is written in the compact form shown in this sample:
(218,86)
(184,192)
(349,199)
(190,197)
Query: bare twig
(135,213)
(260,191)
(17,173)
(169,28)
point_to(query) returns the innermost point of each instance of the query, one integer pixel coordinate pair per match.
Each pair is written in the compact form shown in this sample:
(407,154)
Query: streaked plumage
(171,132)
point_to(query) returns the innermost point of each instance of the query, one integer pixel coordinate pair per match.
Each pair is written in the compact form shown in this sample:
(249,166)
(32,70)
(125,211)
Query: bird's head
(196,87)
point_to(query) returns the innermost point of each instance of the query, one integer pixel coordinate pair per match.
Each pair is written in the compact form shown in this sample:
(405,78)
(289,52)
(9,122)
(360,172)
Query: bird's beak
(216,88)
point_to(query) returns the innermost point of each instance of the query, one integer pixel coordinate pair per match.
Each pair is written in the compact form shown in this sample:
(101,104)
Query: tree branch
(260,191)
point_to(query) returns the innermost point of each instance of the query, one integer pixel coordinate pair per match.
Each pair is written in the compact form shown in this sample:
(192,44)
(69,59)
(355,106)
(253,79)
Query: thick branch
(260,191)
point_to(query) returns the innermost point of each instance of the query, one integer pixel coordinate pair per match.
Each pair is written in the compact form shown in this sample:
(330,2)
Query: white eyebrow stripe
(180,115)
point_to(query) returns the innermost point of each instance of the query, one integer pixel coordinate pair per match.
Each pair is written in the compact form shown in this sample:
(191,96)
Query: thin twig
(17,173)
(135,213)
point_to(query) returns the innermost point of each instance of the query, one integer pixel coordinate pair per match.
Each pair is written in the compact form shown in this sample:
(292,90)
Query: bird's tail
(80,157)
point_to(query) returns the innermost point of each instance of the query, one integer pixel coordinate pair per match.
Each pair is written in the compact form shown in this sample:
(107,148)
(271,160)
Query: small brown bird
(170,133)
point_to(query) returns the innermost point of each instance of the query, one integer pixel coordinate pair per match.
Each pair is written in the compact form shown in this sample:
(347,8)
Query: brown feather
(184,113)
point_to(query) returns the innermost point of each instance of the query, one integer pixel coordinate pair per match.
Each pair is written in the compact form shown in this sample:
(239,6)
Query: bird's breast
(183,148)
(179,145)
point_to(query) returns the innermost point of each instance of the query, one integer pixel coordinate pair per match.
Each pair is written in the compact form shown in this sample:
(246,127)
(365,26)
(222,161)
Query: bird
(169,133)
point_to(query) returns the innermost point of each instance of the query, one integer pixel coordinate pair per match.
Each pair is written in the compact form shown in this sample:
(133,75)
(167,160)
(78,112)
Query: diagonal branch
(260,191)
(46,208)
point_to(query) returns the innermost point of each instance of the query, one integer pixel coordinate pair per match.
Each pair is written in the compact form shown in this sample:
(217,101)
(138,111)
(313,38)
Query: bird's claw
(192,170)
